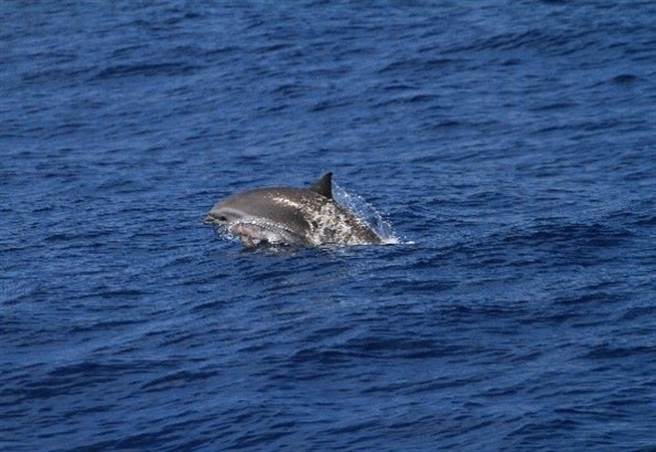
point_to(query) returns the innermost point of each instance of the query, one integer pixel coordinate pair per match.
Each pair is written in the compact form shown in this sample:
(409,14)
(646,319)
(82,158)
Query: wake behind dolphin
(291,216)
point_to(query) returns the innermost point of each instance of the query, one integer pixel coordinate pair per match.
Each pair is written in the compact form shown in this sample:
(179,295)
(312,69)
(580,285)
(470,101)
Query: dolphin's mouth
(253,232)
(213,218)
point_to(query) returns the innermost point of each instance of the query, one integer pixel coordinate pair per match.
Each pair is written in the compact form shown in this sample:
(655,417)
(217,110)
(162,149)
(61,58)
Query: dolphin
(291,216)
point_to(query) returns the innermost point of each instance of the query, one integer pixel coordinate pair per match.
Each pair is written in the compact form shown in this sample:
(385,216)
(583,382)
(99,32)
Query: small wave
(328,104)
(607,351)
(408,99)
(624,79)
(416,64)
(127,70)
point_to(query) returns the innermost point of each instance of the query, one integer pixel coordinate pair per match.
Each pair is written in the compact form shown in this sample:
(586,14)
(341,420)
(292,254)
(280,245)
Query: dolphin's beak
(215,217)
(212,218)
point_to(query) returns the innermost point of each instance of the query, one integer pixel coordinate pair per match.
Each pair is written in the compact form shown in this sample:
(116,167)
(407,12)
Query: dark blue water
(511,145)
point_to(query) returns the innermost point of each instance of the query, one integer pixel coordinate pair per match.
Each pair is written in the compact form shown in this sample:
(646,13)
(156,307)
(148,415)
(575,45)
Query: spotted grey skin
(291,216)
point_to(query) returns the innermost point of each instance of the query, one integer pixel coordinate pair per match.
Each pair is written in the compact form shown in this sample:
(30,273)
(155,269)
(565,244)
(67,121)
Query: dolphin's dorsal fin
(324,186)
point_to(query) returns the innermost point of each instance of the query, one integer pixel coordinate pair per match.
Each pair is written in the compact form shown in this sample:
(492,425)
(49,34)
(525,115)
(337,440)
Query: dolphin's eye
(222,218)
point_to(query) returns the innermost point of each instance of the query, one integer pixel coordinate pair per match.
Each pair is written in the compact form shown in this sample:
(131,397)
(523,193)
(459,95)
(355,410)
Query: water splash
(367,213)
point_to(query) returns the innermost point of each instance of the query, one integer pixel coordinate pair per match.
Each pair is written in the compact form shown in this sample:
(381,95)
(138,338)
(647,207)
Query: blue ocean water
(510,144)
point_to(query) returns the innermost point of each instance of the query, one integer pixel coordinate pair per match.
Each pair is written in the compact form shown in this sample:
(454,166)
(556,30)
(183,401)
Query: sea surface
(511,145)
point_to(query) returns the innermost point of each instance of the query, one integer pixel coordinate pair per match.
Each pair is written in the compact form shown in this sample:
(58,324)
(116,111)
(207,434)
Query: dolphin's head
(257,216)
(284,206)
(277,204)
(223,214)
